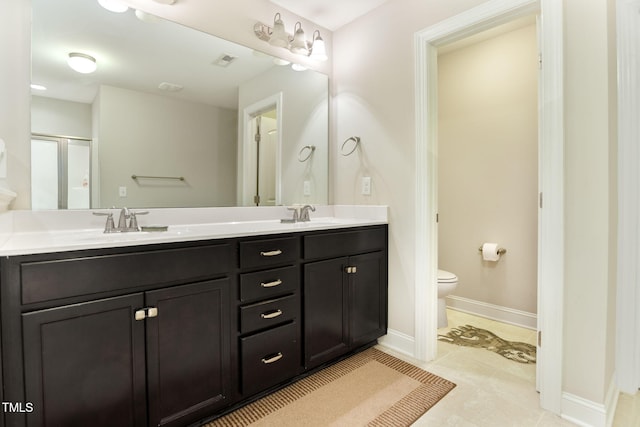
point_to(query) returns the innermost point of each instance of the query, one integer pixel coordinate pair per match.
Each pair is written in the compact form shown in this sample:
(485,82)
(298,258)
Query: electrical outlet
(122,191)
(366,185)
(306,188)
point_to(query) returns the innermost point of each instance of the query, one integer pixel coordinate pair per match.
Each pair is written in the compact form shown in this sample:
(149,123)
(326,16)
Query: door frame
(550,171)
(628,290)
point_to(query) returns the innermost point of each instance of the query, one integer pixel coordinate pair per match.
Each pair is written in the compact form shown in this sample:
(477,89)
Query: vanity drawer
(263,253)
(71,277)
(331,245)
(265,314)
(270,357)
(268,283)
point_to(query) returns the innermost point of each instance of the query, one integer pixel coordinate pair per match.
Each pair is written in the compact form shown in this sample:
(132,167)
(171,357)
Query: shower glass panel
(60,173)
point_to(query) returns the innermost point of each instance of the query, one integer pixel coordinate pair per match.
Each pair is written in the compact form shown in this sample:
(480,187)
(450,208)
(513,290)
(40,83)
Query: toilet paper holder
(501,251)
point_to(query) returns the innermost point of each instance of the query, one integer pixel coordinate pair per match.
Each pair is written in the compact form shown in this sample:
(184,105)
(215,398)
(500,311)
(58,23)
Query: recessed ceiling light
(114,5)
(37,87)
(82,63)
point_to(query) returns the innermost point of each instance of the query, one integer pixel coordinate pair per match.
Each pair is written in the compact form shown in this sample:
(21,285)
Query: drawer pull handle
(271,284)
(272,358)
(271,315)
(271,253)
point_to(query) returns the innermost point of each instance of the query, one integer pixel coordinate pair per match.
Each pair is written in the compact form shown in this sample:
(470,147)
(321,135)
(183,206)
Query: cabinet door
(367,298)
(189,354)
(84,364)
(325,311)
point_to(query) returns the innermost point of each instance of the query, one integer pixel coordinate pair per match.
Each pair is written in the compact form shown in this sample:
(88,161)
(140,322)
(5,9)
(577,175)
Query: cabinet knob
(143,313)
(350,270)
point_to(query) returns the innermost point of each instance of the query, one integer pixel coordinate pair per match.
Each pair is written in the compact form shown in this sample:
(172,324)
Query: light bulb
(82,63)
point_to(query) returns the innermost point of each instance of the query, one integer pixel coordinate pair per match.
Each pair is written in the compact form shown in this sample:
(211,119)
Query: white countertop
(31,232)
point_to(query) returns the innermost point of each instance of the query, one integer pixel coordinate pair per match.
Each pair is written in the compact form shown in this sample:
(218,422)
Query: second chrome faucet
(300,213)
(127,221)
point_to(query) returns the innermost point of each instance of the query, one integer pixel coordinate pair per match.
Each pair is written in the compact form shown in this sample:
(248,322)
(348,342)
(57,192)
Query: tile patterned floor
(494,391)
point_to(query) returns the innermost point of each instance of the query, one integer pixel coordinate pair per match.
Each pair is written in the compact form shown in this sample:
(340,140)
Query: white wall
(148,134)
(62,118)
(373,89)
(305,111)
(15,42)
(487,167)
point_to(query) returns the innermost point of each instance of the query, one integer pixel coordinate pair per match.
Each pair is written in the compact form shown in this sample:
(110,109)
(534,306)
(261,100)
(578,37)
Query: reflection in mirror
(168,101)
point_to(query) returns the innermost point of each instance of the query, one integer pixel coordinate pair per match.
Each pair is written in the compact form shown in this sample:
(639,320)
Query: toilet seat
(446,277)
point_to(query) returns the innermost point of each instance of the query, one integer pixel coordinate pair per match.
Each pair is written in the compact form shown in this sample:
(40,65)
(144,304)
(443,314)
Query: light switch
(306,188)
(122,191)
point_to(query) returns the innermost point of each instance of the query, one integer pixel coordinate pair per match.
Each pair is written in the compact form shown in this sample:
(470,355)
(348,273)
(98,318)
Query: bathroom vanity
(170,332)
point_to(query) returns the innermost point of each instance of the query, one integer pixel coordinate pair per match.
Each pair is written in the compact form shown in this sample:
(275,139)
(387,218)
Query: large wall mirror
(171,117)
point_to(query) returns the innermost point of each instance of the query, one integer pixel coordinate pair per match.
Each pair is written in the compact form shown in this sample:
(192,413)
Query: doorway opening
(264,130)
(487,181)
(260,174)
(551,176)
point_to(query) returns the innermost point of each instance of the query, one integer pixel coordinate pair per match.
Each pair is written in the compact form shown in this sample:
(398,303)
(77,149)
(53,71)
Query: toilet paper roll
(490,252)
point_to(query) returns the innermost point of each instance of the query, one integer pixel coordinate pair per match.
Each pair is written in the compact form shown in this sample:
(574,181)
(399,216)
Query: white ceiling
(331,14)
(133,54)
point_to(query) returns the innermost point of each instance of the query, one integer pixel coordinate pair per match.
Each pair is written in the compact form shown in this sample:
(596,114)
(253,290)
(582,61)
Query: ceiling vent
(224,60)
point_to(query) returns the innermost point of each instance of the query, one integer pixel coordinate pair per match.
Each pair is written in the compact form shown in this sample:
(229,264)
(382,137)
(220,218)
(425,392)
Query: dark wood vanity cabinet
(173,334)
(345,296)
(269,312)
(84,364)
(94,352)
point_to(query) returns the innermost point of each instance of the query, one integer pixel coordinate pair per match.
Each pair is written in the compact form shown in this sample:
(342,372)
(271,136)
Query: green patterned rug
(470,336)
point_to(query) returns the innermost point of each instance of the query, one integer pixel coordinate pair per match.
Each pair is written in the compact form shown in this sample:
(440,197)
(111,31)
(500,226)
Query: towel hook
(311,149)
(355,139)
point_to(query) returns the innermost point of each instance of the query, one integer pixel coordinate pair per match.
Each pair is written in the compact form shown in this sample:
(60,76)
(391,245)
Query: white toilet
(447,283)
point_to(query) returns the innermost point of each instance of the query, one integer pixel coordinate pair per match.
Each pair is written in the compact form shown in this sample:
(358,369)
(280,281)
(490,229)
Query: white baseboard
(495,312)
(586,413)
(397,341)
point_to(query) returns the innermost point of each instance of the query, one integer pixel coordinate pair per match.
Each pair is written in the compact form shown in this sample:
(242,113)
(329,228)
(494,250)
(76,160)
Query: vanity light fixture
(114,5)
(318,48)
(82,63)
(279,36)
(298,44)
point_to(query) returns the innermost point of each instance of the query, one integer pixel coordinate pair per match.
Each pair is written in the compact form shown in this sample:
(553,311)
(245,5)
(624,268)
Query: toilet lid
(446,277)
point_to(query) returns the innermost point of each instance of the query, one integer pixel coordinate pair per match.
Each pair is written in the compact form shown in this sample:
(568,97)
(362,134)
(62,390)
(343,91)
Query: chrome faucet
(123,226)
(304,213)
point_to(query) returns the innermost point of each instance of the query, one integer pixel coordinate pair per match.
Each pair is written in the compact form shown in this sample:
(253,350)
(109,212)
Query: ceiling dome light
(318,49)
(114,5)
(279,36)
(298,67)
(82,63)
(299,43)
(37,87)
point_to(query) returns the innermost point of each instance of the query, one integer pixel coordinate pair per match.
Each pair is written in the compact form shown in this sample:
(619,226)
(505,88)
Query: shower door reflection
(60,173)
